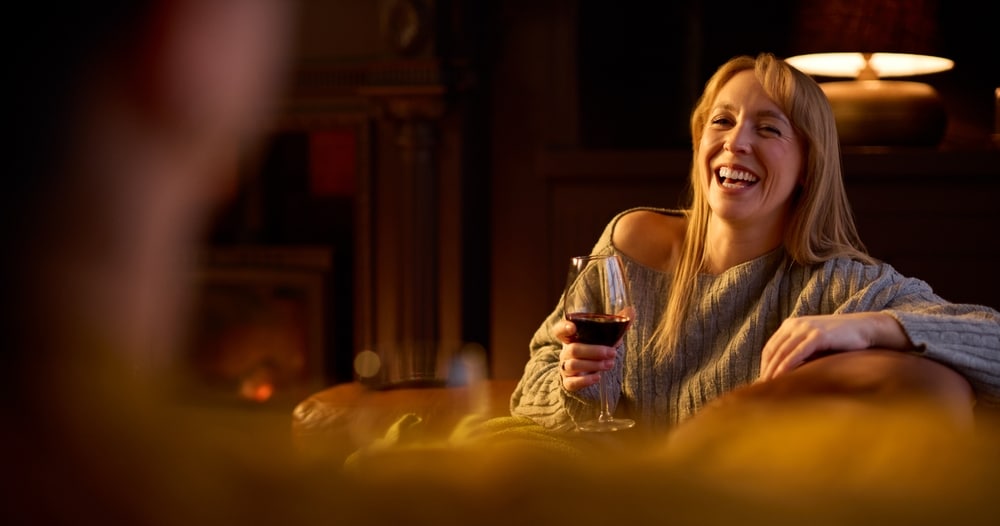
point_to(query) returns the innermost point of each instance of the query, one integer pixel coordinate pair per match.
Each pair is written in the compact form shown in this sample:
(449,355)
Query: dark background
(560,112)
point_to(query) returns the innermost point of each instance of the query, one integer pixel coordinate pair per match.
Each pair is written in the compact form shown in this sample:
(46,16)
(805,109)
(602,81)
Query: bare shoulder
(651,237)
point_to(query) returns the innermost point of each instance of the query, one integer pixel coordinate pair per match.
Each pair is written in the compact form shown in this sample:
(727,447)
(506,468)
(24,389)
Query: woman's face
(751,155)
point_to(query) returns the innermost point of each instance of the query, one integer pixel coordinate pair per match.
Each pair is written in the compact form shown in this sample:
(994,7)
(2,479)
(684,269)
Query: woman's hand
(580,364)
(798,339)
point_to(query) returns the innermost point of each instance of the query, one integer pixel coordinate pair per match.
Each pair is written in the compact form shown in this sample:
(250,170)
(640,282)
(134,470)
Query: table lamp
(869,41)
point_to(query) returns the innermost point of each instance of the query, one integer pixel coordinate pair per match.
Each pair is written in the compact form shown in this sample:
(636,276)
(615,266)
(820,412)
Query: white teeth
(737,175)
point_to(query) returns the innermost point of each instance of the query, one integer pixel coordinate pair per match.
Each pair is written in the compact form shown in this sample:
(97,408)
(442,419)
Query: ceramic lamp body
(887,113)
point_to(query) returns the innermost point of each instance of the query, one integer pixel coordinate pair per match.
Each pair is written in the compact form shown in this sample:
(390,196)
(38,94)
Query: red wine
(598,329)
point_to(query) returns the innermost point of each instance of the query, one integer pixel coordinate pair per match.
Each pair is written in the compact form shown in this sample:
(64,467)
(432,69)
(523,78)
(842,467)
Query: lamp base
(887,113)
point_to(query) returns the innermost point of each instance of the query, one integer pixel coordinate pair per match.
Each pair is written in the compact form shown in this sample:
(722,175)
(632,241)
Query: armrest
(874,413)
(877,378)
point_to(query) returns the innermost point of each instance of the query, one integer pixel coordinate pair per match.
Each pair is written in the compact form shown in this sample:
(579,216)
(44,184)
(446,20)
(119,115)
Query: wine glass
(598,302)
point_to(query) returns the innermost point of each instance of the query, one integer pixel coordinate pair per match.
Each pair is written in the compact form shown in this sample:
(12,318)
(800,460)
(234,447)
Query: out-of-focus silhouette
(125,121)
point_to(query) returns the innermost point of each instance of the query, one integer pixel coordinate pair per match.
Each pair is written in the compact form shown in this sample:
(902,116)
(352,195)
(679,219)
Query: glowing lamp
(869,42)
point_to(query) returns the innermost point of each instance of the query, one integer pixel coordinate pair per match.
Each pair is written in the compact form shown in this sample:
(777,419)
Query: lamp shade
(869,65)
(867,26)
(867,41)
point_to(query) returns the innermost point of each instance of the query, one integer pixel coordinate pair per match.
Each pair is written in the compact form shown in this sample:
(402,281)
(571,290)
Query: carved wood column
(410,320)
(412,222)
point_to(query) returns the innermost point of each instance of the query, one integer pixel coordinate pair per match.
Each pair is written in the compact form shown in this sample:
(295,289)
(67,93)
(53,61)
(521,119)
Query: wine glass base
(597,426)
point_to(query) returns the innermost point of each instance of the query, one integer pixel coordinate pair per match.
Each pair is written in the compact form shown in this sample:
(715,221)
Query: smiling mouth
(730,178)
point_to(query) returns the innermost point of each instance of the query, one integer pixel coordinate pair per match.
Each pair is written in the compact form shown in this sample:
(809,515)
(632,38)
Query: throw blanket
(472,432)
(797,466)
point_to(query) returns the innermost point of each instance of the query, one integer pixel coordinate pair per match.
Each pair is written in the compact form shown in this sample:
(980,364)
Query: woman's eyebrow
(724,106)
(775,115)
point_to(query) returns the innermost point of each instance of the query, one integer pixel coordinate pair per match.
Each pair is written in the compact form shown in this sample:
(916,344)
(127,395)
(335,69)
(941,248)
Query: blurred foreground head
(125,117)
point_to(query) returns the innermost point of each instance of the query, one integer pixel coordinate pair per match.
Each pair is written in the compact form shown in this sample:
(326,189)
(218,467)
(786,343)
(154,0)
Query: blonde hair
(821,225)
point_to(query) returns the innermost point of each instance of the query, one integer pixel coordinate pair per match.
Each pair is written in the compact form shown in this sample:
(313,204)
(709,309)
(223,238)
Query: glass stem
(605,415)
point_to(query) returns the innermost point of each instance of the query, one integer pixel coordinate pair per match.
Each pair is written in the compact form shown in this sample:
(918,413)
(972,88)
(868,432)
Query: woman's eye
(770,130)
(722,121)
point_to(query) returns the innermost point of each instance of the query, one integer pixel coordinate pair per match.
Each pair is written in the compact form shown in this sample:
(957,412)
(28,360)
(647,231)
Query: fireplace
(260,331)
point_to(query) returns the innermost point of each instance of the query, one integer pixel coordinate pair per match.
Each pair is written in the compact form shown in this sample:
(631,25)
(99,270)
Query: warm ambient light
(875,112)
(859,44)
(882,65)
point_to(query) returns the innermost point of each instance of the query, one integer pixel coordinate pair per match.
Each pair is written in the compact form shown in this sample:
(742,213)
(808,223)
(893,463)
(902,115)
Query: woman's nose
(737,141)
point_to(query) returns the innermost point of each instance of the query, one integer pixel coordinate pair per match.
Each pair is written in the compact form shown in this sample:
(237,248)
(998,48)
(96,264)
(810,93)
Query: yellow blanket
(800,467)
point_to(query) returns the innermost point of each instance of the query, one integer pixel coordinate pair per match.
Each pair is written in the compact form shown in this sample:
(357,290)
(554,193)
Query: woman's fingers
(565,331)
(785,352)
(774,354)
(799,338)
(580,364)
(575,383)
(577,367)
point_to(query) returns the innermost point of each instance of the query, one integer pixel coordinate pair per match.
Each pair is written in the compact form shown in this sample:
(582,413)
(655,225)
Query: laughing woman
(764,272)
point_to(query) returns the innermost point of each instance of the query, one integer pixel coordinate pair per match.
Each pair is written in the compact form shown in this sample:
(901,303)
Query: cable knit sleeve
(962,336)
(539,394)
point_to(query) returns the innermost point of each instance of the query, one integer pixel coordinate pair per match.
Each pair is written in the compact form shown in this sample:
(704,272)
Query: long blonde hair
(821,225)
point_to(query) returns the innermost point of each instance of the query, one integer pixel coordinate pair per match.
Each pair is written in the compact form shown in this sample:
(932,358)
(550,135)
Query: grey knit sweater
(732,318)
